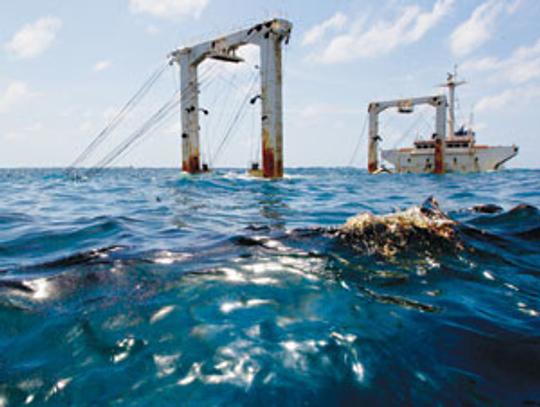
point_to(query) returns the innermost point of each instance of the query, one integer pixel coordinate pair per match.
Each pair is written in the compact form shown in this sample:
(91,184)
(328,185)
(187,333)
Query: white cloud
(481,64)
(520,67)
(524,72)
(101,66)
(169,8)
(494,102)
(480,26)
(512,7)
(316,33)
(33,39)
(16,93)
(508,97)
(385,35)
(25,132)
(425,21)
(151,30)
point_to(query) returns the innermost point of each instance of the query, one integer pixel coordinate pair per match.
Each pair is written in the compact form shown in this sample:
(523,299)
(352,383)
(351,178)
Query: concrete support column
(272,107)
(190,115)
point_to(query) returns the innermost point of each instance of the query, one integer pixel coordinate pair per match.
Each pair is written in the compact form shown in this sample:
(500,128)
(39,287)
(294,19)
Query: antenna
(452,83)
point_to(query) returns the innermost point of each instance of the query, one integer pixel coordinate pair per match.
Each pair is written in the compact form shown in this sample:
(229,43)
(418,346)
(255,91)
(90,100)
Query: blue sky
(67,66)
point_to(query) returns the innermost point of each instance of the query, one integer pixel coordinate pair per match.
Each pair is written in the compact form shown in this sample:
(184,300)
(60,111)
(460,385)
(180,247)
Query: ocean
(149,287)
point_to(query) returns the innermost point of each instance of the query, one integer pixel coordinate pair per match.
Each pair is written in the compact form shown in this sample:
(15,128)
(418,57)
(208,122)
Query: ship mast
(452,83)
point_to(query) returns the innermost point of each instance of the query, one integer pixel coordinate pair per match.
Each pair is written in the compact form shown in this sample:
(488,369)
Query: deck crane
(407,106)
(269,36)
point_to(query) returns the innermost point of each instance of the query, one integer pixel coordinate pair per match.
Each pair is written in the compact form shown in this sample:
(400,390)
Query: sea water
(149,287)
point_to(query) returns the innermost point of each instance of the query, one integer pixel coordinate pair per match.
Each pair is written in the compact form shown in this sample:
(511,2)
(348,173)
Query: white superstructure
(458,151)
(462,154)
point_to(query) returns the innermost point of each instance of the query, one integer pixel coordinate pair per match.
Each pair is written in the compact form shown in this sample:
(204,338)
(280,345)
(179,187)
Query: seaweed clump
(424,228)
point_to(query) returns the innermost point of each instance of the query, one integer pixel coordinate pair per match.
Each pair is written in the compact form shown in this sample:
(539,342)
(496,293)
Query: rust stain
(439,159)
(268,163)
(372,167)
(191,165)
(271,166)
(194,164)
(279,168)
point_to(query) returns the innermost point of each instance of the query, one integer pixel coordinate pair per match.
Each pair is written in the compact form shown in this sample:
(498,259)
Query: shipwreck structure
(448,149)
(407,106)
(269,37)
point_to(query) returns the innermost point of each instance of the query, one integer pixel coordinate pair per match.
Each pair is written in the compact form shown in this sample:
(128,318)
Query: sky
(68,66)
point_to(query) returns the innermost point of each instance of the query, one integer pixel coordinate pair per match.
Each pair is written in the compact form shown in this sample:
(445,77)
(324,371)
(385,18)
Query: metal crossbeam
(375,108)
(269,36)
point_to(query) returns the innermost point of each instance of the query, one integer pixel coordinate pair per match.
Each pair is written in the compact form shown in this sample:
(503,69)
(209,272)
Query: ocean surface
(148,287)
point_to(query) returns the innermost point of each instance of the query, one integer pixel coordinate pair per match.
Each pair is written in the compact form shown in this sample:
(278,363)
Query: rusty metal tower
(407,106)
(269,36)
(452,83)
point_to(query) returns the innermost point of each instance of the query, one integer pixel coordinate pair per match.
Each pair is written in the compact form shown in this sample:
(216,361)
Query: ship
(446,150)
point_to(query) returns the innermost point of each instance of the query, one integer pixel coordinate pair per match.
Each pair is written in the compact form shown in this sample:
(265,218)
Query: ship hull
(473,159)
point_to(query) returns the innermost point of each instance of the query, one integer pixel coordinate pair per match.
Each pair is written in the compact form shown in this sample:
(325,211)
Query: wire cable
(237,117)
(355,151)
(117,119)
(164,112)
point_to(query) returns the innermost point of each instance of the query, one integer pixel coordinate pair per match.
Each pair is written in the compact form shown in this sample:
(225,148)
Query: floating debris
(390,234)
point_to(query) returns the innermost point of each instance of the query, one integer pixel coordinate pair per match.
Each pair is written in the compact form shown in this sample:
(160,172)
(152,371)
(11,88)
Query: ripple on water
(148,287)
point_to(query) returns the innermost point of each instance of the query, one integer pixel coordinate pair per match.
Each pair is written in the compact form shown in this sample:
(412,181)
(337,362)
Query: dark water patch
(15,285)
(510,222)
(532,234)
(94,256)
(8,219)
(400,301)
(483,240)
(487,208)
(497,356)
(46,243)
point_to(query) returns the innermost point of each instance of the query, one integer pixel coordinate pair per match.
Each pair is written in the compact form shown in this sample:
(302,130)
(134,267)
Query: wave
(60,241)
(427,228)
(514,221)
(423,232)
(532,234)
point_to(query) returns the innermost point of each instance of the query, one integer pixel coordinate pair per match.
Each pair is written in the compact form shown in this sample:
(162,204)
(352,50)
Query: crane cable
(355,151)
(213,124)
(409,130)
(158,117)
(237,117)
(119,117)
(221,116)
(141,131)
(169,112)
